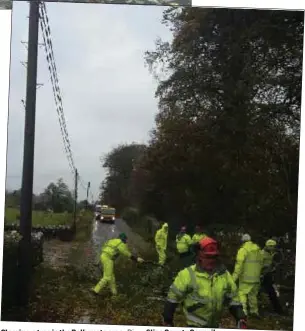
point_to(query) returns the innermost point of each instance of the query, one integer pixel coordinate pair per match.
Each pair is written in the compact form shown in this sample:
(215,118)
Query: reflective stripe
(172,300)
(196,319)
(174,289)
(235,303)
(201,300)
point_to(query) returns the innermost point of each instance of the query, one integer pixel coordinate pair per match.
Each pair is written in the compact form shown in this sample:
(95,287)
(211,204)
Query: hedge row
(63,232)
(11,258)
(145,225)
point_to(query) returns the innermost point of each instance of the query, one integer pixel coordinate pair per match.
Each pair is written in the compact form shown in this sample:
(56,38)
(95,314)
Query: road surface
(58,254)
(101,232)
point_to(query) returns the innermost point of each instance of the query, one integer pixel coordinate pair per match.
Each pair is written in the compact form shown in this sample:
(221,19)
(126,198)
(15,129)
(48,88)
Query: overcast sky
(108,94)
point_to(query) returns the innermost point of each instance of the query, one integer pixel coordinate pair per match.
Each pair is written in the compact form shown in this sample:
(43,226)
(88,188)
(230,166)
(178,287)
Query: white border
(298,323)
(5,32)
(5,44)
(255,4)
(22,326)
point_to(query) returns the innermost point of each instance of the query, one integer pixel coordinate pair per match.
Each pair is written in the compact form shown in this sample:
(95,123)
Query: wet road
(101,232)
(59,254)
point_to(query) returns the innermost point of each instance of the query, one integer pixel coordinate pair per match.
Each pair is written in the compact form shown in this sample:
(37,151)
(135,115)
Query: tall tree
(120,163)
(58,197)
(226,143)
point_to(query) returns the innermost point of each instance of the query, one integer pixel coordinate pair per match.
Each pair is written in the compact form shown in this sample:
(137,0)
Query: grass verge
(12,215)
(84,226)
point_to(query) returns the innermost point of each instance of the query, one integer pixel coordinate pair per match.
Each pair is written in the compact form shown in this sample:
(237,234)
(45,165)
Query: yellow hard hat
(270,243)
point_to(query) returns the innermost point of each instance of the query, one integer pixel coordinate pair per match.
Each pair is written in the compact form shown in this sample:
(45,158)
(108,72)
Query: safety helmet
(208,246)
(270,243)
(123,236)
(245,237)
(183,229)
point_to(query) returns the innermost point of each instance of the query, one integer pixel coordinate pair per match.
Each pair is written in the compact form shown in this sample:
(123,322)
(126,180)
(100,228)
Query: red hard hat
(209,246)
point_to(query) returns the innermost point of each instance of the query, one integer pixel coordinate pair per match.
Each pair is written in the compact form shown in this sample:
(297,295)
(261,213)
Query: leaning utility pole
(75,198)
(28,155)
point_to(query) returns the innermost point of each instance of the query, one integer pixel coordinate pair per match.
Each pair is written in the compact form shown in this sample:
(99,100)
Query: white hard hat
(245,237)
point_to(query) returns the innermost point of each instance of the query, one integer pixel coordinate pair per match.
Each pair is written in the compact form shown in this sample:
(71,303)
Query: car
(107,214)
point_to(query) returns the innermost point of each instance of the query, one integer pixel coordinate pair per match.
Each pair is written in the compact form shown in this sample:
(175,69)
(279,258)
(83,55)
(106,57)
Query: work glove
(242,324)
(140,260)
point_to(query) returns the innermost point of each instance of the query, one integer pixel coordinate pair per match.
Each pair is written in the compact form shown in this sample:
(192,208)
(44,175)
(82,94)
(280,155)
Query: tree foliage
(117,189)
(56,197)
(225,148)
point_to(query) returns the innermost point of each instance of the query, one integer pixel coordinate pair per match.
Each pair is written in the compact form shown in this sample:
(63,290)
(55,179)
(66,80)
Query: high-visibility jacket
(115,247)
(197,237)
(161,237)
(249,262)
(267,261)
(183,242)
(203,295)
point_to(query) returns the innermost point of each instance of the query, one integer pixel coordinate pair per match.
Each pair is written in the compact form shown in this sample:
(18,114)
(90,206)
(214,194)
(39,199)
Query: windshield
(108,211)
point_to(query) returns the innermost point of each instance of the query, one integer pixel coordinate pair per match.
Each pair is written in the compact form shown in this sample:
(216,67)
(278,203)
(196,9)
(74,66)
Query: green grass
(84,226)
(39,217)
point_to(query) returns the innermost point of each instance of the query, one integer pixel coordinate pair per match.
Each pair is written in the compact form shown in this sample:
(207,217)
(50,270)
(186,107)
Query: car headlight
(102,217)
(113,218)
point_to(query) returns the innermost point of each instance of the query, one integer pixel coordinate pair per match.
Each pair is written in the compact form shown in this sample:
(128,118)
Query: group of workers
(203,285)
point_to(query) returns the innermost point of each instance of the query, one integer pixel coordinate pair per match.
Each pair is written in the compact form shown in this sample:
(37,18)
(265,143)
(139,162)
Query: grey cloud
(108,94)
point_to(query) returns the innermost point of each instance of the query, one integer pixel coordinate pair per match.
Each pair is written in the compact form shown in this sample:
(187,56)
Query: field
(39,217)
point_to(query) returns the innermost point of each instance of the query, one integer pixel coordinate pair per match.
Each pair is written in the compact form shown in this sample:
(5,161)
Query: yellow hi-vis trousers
(248,291)
(108,278)
(162,255)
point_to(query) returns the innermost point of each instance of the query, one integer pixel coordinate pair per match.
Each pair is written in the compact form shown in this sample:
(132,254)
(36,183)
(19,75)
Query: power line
(48,46)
